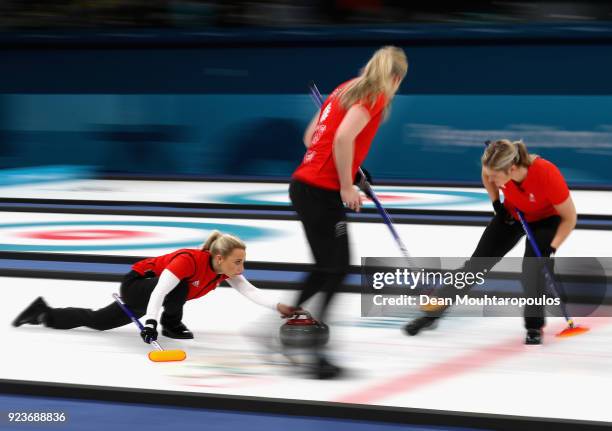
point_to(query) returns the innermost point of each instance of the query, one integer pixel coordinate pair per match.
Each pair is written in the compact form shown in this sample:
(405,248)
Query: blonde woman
(338,140)
(535,187)
(167,282)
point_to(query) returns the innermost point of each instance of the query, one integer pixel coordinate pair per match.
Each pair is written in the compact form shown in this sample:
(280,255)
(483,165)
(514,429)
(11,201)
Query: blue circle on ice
(244,232)
(450,197)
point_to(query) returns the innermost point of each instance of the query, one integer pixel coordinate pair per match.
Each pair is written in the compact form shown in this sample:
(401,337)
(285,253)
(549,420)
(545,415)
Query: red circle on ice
(85,234)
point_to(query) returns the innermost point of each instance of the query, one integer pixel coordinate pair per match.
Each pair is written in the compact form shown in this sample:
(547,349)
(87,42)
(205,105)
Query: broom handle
(547,275)
(127,311)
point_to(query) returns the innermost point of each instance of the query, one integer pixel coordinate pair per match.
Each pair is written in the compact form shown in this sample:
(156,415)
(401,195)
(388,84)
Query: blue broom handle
(129,313)
(547,275)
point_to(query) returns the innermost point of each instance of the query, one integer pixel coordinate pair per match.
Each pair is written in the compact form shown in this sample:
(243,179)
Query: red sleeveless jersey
(542,188)
(190,265)
(318,167)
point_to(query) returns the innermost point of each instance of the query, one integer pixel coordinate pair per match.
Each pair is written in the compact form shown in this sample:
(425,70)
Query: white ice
(467,364)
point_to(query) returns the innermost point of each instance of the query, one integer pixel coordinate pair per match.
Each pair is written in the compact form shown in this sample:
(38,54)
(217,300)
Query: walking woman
(338,140)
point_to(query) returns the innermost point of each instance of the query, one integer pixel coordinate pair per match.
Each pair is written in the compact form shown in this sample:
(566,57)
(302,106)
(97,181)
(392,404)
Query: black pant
(324,219)
(496,241)
(135,291)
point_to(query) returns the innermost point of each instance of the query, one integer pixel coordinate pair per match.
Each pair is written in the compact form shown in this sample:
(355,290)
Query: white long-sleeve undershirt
(168,281)
(254,294)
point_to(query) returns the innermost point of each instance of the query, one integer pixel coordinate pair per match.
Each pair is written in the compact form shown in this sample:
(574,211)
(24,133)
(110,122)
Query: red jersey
(318,167)
(543,187)
(194,266)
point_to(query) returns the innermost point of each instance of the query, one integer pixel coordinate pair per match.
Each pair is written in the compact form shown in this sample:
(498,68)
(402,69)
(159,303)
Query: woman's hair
(378,76)
(222,243)
(502,154)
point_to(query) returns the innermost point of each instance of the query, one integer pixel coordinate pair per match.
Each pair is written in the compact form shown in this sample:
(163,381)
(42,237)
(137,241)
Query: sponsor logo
(309,156)
(325,113)
(340,229)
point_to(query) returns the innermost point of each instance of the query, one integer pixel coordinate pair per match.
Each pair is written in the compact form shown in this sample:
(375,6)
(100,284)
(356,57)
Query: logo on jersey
(531,197)
(309,156)
(325,113)
(317,134)
(196,283)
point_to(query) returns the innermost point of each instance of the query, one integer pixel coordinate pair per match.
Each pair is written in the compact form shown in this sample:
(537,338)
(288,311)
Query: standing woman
(166,282)
(338,140)
(535,187)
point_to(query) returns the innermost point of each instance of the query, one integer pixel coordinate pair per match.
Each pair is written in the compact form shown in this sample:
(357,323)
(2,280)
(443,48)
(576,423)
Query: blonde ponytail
(378,76)
(222,243)
(502,154)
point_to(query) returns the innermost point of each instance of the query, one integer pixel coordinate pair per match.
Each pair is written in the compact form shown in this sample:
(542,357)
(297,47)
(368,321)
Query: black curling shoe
(534,337)
(325,370)
(33,313)
(420,323)
(179,332)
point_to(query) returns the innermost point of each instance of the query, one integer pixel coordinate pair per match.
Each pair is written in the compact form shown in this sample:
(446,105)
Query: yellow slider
(167,355)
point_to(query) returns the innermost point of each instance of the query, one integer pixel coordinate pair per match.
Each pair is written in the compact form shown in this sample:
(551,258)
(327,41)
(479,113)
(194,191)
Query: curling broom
(572,329)
(158,355)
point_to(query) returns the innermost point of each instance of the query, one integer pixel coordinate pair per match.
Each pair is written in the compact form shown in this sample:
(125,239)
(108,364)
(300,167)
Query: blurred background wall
(206,89)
